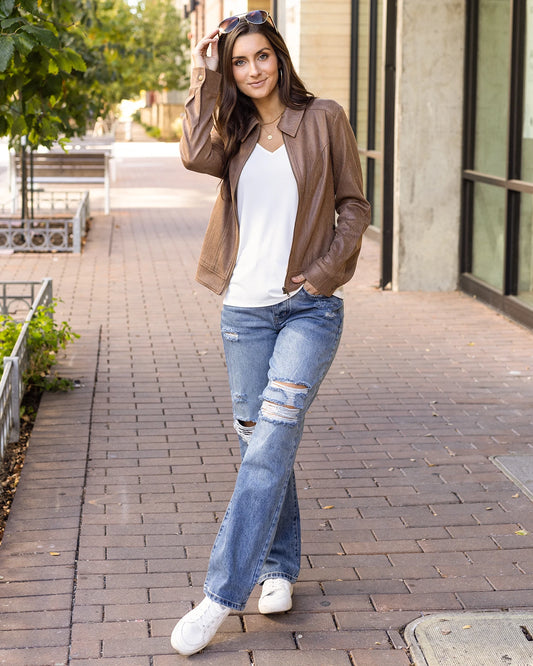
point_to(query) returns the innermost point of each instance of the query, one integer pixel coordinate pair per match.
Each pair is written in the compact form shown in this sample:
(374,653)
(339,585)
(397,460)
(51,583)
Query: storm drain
(472,639)
(519,469)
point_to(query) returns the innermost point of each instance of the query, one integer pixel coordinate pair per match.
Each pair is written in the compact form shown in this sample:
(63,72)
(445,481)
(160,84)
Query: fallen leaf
(330,506)
(54,554)
(517,495)
(522,532)
(467,626)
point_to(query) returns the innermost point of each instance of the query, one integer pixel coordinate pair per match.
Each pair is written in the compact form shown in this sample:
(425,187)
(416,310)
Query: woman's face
(255,66)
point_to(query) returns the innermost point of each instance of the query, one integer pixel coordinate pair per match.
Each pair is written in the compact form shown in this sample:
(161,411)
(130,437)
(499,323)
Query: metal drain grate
(472,639)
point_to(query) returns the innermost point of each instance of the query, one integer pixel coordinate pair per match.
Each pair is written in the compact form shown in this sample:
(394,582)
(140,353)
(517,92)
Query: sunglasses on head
(257,17)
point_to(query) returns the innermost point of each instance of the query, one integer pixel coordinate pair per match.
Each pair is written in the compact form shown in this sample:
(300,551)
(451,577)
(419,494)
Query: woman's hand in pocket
(306,285)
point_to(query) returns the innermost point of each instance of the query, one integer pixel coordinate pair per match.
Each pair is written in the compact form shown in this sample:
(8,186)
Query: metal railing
(18,296)
(60,201)
(50,234)
(12,382)
(79,223)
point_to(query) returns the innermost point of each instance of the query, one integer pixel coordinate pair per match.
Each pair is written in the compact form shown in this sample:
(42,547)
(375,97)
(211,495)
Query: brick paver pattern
(128,476)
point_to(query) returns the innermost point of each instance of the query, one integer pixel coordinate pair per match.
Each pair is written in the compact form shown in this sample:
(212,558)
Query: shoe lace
(276,584)
(212,615)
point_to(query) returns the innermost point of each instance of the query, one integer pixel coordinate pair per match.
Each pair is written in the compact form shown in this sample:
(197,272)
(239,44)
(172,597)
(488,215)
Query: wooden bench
(84,166)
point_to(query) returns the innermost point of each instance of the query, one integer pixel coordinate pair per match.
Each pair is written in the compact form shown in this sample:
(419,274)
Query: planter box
(48,233)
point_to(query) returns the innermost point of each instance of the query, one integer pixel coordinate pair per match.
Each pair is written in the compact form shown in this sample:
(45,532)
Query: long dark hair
(234,109)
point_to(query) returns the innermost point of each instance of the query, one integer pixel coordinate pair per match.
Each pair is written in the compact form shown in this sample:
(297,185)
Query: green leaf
(30,6)
(52,67)
(45,36)
(24,43)
(19,126)
(76,60)
(8,22)
(62,61)
(6,7)
(7,48)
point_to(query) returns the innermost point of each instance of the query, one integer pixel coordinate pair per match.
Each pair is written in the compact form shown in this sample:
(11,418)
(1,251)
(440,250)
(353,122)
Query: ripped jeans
(277,356)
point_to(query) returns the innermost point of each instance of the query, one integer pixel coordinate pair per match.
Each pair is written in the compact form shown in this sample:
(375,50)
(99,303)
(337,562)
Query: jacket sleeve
(201,148)
(337,266)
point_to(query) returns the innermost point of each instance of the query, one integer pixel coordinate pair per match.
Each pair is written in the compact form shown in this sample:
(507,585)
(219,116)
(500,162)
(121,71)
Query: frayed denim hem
(224,602)
(277,574)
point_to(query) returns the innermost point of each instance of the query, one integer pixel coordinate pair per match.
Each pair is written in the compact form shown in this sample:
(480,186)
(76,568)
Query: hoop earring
(280,76)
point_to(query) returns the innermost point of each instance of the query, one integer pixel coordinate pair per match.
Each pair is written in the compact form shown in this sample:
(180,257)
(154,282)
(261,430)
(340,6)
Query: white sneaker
(276,596)
(196,629)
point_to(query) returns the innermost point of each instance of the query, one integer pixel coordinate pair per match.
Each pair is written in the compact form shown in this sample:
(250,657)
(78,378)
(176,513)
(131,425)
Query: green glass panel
(489,234)
(527,134)
(525,261)
(493,66)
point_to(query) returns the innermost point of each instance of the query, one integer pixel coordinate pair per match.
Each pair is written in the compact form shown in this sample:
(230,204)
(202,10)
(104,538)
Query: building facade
(440,96)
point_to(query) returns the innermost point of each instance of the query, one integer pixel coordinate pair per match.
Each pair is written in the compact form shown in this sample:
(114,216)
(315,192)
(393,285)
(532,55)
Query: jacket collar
(289,123)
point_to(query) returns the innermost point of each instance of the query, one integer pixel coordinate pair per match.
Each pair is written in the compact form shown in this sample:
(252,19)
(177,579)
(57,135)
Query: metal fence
(48,234)
(12,383)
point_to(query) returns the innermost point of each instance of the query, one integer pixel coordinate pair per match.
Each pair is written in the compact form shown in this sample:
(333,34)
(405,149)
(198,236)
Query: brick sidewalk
(128,476)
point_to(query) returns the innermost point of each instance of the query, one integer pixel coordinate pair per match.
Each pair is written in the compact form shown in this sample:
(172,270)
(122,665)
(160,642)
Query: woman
(274,248)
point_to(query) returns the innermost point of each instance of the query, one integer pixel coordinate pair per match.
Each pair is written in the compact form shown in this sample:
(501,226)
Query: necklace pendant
(269,137)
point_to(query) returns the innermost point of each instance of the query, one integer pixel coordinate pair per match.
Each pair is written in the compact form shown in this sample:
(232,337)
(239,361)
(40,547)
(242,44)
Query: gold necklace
(263,125)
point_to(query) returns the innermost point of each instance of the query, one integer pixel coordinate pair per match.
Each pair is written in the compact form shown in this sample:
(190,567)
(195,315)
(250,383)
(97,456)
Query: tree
(39,60)
(144,46)
(165,46)
(63,63)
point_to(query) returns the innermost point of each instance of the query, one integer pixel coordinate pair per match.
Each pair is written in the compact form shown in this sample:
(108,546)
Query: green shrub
(152,131)
(45,339)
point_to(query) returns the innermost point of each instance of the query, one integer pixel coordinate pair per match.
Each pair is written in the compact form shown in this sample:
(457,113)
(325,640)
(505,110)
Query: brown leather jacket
(324,158)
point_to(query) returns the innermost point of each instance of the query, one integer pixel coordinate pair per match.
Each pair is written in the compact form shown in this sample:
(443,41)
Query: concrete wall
(429,108)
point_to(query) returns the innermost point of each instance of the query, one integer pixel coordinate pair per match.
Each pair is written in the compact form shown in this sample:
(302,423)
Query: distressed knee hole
(230,335)
(281,413)
(244,429)
(282,401)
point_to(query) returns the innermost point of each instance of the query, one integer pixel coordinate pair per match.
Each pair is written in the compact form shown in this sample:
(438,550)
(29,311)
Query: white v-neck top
(267,201)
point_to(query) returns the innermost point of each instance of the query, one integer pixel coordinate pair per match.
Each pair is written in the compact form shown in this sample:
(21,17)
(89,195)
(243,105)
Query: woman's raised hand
(200,57)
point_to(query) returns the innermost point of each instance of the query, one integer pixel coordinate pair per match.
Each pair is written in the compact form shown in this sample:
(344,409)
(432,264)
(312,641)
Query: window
(497,252)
